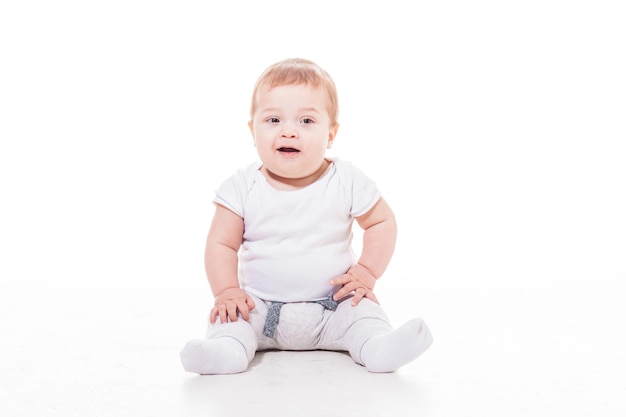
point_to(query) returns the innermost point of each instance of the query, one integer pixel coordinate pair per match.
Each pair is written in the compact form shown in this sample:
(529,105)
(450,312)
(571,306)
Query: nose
(289,131)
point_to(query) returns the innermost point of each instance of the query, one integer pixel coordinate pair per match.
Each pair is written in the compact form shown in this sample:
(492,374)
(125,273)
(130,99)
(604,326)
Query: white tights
(362,330)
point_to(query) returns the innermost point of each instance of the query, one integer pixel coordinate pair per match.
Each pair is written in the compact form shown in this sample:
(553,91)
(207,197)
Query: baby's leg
(365,332)
(228,349)
(388,352)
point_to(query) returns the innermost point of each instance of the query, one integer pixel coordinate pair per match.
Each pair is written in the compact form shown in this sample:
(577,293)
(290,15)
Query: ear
(251,127)
(331,135)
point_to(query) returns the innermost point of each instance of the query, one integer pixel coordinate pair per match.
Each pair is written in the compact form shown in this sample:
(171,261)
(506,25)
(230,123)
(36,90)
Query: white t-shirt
(295,242)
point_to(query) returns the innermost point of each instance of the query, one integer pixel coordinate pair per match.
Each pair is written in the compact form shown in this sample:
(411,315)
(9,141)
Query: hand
(357,280)
(229,303)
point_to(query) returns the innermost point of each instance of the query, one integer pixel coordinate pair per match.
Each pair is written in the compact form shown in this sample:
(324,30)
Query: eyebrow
(304,109)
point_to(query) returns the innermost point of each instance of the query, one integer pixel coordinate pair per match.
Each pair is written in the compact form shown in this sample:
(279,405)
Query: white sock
(386,353)
(223,355)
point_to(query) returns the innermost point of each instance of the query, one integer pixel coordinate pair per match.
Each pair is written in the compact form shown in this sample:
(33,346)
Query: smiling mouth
(288,150)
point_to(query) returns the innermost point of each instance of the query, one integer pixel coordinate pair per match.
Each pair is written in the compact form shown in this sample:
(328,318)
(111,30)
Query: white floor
(105,343)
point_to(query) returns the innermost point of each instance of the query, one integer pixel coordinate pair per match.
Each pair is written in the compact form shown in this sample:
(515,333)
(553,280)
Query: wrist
(223,290)
(366,270)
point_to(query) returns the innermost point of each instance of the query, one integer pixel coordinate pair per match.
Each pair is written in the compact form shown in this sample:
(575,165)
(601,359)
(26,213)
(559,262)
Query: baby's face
(291,130)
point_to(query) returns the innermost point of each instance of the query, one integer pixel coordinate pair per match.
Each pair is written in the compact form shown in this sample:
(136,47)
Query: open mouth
(288,150)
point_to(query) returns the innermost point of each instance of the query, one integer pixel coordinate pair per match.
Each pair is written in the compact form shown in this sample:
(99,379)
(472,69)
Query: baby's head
(297,71)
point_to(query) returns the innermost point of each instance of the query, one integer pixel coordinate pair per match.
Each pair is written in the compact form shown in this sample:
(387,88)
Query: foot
(387,353)
(224,355)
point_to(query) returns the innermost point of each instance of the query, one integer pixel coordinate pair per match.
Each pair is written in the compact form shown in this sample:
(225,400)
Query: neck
(290,184)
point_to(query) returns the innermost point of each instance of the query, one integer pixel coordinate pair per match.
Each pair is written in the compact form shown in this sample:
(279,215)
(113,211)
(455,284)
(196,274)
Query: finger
(213,315)
(243,310)
(250,303)
(372,296)
(232,311)
(358,296)
(340,280)
(341,293)
(222,313)
(345,290)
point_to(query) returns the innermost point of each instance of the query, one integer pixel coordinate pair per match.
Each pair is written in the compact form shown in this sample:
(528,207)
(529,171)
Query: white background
(496,131)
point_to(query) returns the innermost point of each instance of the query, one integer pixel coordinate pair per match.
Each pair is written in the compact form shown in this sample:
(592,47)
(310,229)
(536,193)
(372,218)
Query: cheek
(262,139)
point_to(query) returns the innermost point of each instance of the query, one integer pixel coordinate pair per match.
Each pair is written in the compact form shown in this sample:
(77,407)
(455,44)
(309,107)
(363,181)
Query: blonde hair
(298,71)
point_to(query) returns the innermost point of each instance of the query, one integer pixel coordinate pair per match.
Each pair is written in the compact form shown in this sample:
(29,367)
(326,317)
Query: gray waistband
(273,313)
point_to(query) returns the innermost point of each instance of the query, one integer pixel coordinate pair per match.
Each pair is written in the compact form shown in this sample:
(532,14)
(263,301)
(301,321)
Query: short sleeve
(233,192)
(361,190)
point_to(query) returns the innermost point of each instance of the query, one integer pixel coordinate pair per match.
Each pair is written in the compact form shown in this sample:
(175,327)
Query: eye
(273,120)
(307,120)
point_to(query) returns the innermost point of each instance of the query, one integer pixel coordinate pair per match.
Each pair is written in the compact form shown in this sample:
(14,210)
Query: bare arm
(379,238)
(221,263)
(379,241)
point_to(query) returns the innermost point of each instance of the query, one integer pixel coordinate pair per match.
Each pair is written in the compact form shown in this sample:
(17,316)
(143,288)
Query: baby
(278,254)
